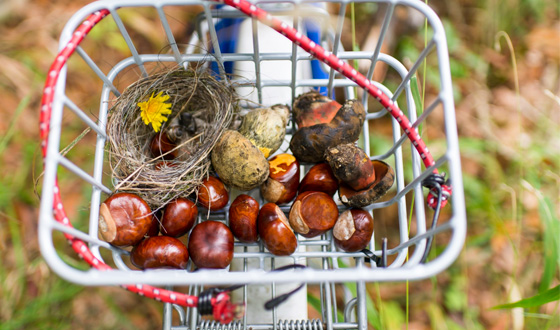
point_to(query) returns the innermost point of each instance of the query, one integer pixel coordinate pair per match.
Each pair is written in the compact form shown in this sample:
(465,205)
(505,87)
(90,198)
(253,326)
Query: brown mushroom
(308,144)
(312,108)
(351,165)
(384,178)
(124,219)
(238,162)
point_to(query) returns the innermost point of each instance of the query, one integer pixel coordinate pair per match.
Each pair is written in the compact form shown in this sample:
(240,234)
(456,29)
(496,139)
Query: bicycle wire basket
(402,256)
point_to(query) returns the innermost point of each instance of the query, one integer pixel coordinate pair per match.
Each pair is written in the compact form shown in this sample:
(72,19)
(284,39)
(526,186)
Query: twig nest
(191,109)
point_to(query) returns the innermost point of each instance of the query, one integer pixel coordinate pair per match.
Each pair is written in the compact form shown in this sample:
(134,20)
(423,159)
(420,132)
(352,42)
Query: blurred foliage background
(505,62)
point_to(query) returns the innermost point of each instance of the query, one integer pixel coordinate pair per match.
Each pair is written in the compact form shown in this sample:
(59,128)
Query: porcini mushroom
(313,108)
(308,144)
(351,165)
(384,178)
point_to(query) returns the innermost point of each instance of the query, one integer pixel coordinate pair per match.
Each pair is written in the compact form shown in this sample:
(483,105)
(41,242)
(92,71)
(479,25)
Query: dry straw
(210,105)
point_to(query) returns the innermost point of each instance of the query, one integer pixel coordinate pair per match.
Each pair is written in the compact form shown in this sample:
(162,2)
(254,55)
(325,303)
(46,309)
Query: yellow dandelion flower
(155,110)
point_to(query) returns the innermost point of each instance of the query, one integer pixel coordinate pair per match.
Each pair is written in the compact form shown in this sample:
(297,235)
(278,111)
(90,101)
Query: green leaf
(535,301)
(551,242)
(418,102)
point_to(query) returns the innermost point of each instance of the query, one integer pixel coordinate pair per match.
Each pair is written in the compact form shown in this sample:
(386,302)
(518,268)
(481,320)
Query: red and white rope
(223,310)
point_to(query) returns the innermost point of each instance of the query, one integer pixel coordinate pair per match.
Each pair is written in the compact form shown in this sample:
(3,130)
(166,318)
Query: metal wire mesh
(327,266)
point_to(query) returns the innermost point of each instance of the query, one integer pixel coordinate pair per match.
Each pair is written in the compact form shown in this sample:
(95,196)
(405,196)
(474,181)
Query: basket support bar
(257,58)
(82,174)
(214,39)
(128,41)
(81,114)
(97,70)
(415,124)
(415,67)
(79,234)
(336,44)
(381,39)
(169,35)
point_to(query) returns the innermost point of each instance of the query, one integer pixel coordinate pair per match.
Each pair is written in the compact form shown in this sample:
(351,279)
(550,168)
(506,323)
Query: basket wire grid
(326,263)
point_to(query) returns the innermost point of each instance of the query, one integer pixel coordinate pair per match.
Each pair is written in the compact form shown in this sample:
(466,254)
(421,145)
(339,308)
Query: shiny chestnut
(154,226)
(124,219)
(160,252)
(320,177)
(283,180)
(211,245)
(243,213)
(212,194)
(178,217)
(353,230)
(162,147)
(275,231)
(313,213)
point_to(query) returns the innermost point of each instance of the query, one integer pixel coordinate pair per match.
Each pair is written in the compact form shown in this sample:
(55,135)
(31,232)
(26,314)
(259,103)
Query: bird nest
(183,110)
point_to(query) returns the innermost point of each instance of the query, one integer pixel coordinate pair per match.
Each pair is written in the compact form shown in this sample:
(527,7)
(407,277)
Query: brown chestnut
(319,178)
(351,165)
(275,231)
(243,214)
(313,213)
(353,230)
(178,217)
(384,178)
(211,245)
(283,179)
(160,252)
(212,194)
(124,219)
(164,164)
(162,147)
(154,227)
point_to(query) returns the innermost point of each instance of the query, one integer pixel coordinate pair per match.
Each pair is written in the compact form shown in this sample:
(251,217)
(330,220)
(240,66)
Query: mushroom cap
(384,179)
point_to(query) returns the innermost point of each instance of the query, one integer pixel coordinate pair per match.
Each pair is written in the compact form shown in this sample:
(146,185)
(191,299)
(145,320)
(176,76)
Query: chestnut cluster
(325,138)
(126,220)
